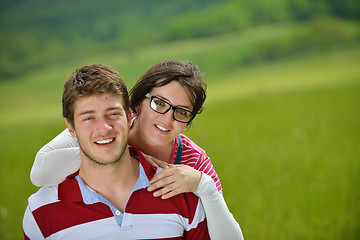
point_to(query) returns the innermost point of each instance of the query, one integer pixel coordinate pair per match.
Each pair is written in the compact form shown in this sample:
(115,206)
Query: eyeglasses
(161,106)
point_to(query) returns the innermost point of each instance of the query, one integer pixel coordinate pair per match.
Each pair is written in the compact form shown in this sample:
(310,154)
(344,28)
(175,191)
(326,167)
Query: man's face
(101,128)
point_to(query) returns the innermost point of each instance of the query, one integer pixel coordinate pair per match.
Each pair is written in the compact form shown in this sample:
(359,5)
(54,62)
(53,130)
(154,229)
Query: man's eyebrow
(86,112)
(113,108)
(92,111)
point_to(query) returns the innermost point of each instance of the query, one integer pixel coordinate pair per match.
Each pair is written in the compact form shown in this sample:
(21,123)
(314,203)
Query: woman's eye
(159,102)
(182,112)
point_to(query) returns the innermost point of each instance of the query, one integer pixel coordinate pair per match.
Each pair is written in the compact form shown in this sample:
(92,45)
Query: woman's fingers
(160,163)
(168,191)
(162,179)
(174,180)
(155,162)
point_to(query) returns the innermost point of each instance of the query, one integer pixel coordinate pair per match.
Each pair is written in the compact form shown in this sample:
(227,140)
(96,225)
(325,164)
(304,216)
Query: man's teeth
(105,141)
(162,128)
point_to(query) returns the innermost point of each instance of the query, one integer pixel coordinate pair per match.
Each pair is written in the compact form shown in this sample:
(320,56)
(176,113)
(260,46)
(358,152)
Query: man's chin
(106,162)
(105,158)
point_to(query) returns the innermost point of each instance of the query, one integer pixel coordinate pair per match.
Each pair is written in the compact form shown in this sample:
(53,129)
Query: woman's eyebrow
(181,106)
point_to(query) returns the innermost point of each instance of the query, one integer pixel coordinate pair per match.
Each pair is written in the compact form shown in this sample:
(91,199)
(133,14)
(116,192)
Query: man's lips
(105,141)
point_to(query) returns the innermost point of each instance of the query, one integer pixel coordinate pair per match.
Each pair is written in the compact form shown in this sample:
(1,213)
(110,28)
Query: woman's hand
(174,179)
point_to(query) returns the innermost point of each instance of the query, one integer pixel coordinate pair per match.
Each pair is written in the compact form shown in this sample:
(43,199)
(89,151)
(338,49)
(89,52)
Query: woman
(164,101)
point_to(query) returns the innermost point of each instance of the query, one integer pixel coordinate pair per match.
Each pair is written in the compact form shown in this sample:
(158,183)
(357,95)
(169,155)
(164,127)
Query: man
(107,198)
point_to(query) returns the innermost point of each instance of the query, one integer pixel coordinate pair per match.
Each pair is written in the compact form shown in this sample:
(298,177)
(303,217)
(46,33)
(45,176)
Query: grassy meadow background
(281,122)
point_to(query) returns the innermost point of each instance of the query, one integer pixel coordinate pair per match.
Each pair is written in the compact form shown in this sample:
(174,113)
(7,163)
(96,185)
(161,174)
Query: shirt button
(117,212)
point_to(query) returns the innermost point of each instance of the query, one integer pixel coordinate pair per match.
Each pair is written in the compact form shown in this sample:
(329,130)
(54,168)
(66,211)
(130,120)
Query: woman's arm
(56,160)
(182,178)
(220,221)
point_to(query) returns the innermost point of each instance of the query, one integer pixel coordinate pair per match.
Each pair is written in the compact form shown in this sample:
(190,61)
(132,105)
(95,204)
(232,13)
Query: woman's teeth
(162,128)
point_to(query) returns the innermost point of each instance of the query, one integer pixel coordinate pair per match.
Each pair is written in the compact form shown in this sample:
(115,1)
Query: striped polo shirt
(71,210)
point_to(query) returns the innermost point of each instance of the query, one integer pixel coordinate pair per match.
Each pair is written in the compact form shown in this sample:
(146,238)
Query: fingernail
(156,194)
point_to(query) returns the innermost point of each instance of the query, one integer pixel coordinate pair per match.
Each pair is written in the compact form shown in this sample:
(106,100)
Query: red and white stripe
(59,212)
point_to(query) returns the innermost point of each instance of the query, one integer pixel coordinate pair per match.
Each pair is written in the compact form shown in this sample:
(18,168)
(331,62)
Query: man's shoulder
(44,196)
(47,195)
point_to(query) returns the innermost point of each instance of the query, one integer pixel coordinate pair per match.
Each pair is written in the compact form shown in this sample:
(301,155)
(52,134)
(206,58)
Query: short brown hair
(183,72)
(96,79)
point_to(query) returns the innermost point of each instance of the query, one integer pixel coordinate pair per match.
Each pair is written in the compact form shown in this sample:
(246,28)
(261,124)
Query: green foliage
(55,32)
(236,15)
(321,34)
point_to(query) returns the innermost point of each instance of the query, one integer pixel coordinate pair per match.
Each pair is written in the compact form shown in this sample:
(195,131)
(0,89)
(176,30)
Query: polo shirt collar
(73,189)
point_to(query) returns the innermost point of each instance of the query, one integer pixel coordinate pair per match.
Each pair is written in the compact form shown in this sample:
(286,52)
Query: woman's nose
(168,116)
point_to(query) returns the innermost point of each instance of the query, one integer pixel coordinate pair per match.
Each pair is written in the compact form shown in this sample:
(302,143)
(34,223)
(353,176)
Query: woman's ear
(137,109)
(70,128)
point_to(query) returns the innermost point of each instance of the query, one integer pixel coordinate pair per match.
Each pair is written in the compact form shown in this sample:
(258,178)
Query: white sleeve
(56,160)
(220,221)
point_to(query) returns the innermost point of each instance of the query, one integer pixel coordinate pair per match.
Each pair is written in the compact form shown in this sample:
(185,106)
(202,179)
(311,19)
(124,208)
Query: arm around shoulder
(56,160)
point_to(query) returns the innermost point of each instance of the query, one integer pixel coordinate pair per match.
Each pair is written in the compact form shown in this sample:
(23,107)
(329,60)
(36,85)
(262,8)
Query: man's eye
(88,119)
(115,115)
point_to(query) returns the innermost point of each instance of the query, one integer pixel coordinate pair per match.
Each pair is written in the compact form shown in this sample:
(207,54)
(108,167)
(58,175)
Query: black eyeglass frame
(192,114)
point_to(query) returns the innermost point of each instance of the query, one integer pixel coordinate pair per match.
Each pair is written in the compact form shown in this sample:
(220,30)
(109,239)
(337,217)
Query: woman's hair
(96,79)
(183,72)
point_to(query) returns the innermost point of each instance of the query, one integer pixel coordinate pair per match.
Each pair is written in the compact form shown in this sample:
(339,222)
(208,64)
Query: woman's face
(161,129)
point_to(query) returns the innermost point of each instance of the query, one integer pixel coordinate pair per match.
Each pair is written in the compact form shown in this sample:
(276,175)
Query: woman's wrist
(206,187)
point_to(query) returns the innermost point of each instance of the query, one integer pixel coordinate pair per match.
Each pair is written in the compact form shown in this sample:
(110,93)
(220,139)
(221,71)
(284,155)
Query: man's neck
(114,182)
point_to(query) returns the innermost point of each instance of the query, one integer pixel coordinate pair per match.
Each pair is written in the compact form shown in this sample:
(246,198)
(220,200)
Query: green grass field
(287,147)
(284,137)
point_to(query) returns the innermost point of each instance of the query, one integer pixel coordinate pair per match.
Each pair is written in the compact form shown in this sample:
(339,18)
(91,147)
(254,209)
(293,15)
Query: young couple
(111,190)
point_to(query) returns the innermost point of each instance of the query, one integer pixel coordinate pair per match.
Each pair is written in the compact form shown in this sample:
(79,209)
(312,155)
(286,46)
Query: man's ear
(70,128)
(129,118)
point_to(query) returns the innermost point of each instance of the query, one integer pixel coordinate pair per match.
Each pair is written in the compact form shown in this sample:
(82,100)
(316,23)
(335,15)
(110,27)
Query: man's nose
(104,124)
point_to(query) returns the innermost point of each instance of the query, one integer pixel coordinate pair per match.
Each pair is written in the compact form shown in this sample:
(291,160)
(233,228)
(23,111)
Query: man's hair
(96,79)
(183,72)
